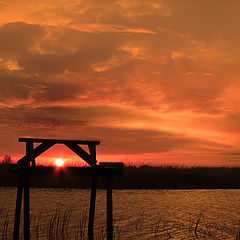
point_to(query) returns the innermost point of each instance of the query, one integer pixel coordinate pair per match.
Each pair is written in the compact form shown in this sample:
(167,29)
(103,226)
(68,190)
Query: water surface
(138,214)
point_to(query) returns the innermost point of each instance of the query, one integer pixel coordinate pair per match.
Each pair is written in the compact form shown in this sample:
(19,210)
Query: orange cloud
(158,77)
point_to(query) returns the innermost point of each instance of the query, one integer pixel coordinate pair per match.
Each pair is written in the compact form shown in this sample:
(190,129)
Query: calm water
(138,214)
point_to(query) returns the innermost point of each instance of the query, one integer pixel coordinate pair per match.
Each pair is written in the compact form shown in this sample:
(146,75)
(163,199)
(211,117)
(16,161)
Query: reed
(81,228)
(5,228)
(238,231)
(36,226)
(60,226)
(5,224)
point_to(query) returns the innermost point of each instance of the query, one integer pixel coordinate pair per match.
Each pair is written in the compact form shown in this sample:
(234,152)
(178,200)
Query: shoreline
(145,177)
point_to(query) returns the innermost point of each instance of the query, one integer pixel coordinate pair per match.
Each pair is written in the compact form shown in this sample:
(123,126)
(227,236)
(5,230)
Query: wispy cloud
(97,27)
(125,71)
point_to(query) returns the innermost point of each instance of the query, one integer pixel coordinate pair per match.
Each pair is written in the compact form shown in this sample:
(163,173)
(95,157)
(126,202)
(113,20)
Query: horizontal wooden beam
(43,140)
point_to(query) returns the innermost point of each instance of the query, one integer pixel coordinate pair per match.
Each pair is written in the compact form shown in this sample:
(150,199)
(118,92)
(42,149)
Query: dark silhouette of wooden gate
(26,166)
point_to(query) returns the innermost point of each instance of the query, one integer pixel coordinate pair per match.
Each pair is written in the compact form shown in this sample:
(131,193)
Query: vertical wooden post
(92,151)
(18,206)
(92,209)
(109,209)
(29,157)
(26,208)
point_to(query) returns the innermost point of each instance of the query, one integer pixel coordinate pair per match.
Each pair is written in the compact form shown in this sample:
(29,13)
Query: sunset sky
(155,81)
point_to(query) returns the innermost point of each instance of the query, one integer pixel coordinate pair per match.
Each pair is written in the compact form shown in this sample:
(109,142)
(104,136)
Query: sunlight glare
(59,162)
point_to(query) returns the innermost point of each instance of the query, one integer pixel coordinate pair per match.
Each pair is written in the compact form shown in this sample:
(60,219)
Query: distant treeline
(144,177)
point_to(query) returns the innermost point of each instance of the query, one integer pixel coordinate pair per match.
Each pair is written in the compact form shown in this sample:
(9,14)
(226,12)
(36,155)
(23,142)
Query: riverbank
(144,177)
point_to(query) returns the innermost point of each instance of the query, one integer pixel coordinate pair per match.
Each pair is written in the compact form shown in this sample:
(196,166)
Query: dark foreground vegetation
(144,177)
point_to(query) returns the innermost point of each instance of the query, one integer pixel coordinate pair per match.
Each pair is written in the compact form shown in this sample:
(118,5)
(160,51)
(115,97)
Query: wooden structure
(27,166)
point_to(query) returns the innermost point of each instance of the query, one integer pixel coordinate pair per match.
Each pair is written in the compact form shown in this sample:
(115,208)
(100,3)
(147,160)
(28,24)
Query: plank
(42,140)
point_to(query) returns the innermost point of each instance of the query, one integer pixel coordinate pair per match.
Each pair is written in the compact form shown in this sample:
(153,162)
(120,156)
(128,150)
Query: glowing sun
(59,162)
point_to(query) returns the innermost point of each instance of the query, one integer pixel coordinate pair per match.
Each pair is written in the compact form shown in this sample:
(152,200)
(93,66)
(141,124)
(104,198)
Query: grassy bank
(143,177)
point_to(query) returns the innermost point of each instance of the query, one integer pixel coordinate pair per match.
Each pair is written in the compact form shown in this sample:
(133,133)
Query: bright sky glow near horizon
(155,81)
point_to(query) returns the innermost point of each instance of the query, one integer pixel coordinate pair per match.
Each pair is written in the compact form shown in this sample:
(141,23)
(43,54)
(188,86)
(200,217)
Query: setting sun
(59,162)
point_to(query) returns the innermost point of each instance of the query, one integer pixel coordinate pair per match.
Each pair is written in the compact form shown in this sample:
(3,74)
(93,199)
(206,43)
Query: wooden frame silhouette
(27,163)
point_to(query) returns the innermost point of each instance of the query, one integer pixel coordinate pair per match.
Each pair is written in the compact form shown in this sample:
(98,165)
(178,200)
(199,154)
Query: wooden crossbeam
(37,151)
(90,157)
(80,152)
(40,140)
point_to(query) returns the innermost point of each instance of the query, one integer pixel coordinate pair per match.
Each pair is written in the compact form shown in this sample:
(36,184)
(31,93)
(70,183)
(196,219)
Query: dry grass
(58,226)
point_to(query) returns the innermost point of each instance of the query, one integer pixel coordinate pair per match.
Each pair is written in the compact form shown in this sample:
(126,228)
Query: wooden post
(26,208)
(92,209)
(29,158)
(109,209)
(92,151)
(18,207)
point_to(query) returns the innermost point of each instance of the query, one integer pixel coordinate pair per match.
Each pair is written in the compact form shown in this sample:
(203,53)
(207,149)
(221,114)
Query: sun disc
(59,162)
